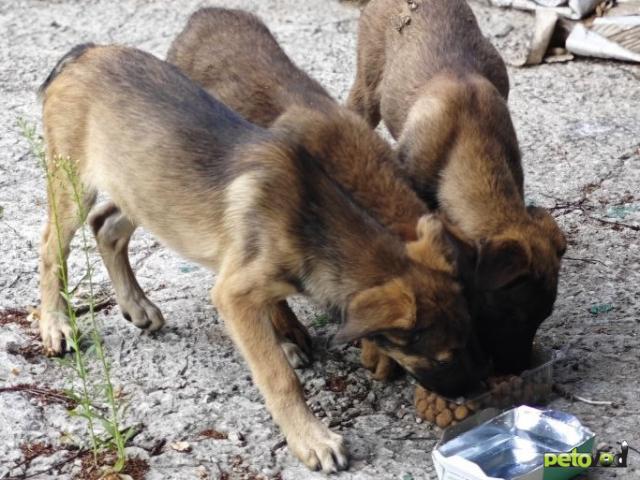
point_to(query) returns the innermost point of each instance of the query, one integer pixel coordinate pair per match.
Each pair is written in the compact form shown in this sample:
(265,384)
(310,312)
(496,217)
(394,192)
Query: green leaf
(109,428)
(1,212)
(321,321)
(127,434)
(119,464)
(90,350)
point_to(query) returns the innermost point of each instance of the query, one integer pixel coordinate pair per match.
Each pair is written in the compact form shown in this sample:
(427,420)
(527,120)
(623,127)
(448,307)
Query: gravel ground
(579,127)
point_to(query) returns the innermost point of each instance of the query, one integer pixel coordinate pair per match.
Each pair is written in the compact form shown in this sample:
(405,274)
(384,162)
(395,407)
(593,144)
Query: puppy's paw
(142,313)
(289,328)
(56,334)
(383,368)
(296,357)
(319,448)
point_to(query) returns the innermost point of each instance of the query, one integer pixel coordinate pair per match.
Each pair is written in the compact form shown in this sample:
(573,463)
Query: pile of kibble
(503,392)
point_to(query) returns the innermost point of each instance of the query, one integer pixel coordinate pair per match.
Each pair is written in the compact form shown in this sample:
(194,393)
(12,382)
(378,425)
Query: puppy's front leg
(383,368)
(248,320)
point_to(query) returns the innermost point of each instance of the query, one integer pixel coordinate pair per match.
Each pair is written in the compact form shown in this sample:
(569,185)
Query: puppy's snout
(461,377)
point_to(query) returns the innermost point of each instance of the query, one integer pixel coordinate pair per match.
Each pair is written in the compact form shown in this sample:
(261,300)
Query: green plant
(321,320)
(94,389)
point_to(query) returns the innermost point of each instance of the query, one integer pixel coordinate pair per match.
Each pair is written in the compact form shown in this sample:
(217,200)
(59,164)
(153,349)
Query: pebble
(202,472)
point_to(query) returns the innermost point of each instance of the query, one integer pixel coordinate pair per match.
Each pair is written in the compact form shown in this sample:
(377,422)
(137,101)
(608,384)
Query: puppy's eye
(417,337)
(443,359)
(440,363)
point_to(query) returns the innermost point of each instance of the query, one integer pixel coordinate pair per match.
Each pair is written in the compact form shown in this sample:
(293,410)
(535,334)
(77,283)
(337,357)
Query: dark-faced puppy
(441,88)
(233,55)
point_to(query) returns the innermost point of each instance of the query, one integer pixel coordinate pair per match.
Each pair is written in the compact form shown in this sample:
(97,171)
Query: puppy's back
(437,36)
(141,131)
(234,56)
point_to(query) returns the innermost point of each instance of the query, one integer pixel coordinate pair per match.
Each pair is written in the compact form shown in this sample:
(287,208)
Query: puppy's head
(421,319)
(516,281)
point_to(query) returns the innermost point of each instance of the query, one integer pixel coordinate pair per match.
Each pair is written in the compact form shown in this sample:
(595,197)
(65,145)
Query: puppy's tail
(73,54)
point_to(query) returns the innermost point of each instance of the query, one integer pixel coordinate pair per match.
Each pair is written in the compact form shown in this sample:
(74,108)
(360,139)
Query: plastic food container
(532,387)
(510,445)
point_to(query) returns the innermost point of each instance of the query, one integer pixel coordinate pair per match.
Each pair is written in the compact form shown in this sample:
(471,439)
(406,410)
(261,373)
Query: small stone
(237,438)
(182,447)
(202,472)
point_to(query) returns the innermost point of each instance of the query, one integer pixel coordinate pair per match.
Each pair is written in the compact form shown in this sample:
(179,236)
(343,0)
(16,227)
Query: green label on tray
(563,466)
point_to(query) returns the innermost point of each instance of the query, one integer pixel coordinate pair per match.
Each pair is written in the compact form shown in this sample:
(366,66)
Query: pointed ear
(547,223)
(391,306)
(501,262)
(442,247)
(463,252)
(431,248)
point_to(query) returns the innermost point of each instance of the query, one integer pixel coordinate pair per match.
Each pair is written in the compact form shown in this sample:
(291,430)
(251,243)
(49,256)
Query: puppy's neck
(361,162)
(459,146)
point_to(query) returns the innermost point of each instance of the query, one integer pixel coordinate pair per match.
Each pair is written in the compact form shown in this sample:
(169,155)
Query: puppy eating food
(234,56)
(441,89)
(252,204)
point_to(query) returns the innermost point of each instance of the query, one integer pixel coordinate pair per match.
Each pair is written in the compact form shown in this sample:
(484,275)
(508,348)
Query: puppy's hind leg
(64,218)
(113,231)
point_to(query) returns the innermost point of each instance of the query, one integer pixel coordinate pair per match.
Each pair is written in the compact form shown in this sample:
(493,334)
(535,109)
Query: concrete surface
(579,126)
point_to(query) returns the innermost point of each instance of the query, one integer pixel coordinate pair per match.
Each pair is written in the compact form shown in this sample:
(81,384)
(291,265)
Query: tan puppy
(441,88)
(253,204)
(234,56)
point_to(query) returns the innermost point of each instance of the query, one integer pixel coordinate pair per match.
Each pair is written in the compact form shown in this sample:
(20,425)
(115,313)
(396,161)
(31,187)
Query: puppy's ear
(550,228)
(462,252)
(431,248)
(442,247)
(500,262)
(391,306)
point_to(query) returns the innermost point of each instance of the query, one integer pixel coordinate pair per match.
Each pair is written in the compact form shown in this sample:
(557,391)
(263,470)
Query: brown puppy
(441,88)
(234,56)
(236,59)
(251,203)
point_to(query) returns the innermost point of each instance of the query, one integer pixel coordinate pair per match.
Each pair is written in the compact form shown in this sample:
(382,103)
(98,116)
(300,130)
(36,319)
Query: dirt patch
(337,384)
(31,451)
(214,434)
(93,468)
(240,470)
(14,316)
(46,396)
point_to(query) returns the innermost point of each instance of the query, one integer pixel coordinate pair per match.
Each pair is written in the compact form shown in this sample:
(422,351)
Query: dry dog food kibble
(504,392)
(435,409)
